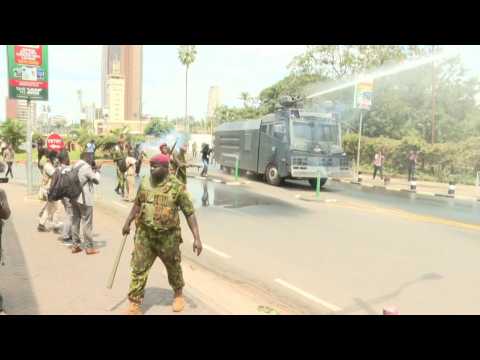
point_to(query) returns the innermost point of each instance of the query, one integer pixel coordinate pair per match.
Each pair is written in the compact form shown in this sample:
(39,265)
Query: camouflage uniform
(119,154)
(158,232)
(179,171)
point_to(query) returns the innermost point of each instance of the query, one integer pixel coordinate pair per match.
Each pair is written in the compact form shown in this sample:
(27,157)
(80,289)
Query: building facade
(214,100)
(115,94)
(130,60)
(18,109)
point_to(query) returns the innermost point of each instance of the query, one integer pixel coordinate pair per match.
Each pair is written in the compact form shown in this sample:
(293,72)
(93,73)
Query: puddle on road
(206,193)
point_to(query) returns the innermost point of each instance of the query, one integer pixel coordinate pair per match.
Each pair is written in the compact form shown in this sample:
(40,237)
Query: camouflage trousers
(148,246)
(120,180)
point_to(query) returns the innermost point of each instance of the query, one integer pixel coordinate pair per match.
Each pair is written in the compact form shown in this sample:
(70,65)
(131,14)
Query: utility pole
(186,102)
(433,96)
(29,148)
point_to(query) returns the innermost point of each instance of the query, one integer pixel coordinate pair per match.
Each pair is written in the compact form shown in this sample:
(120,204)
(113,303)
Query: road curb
(424,195)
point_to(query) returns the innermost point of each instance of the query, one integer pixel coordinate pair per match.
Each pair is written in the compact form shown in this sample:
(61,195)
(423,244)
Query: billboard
(364,95)
(28,72)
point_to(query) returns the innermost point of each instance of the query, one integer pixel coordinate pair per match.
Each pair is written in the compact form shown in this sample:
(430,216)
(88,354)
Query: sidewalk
(41,276)
(427,188)
(467,192)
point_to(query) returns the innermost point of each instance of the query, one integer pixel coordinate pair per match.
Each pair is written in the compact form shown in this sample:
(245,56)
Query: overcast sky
(235,68)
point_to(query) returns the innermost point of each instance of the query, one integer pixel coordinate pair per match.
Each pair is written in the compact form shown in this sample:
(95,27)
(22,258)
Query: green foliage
(187,54)
(457,161)
(158,127)
(340,61)
(13,132)
(36,136)
(292,85)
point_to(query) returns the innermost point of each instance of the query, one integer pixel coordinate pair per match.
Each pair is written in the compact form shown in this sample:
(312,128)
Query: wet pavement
(335,258)
(205,192)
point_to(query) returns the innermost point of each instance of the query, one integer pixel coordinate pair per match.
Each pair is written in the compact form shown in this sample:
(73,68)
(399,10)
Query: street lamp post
(359,142)
(29,148)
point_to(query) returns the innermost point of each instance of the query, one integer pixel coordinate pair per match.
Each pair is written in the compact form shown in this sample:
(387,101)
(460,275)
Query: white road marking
(120,204)
(219,253)
(215,251)
(308,296)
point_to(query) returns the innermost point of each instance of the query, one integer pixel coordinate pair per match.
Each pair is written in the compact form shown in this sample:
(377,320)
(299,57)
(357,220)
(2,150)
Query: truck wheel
(272,176)
(313,183)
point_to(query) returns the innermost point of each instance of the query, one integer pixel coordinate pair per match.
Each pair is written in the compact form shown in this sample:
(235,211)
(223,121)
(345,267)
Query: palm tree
(245,97)
(186,54)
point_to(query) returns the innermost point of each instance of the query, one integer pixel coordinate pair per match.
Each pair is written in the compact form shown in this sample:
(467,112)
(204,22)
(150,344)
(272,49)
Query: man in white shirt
(90,151)
(83,206)
(50,211)
(130,177)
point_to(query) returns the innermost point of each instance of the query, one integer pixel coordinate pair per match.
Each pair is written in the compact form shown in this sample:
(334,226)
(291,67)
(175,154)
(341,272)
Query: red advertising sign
(55,142)
(28,55)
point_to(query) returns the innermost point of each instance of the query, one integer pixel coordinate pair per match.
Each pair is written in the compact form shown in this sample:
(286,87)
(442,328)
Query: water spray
(404,66)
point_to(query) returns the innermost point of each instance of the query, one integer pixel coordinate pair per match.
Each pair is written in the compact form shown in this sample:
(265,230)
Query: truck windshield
(309,132)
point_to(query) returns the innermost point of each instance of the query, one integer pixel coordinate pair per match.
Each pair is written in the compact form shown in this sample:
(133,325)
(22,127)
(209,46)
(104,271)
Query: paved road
(353,255)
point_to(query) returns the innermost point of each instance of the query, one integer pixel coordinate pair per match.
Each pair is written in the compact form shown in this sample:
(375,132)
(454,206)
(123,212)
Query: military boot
(133,309)
(178,303)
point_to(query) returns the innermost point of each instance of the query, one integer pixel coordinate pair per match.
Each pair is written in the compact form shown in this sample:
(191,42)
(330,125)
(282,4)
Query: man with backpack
(67,205)
(50,210)
(82,206)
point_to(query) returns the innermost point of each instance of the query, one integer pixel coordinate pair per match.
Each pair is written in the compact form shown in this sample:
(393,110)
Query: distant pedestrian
(90,150)
(206,151)
(140,154)
(9,157)
(119,160)
(130,178)
(83,206)
(194,150)
(412,164)
(50,210)
(378,164)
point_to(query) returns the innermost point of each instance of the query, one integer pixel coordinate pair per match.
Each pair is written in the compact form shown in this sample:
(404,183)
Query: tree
(158,127)
(13,132)
(340,61)
(187,54)
(292,85)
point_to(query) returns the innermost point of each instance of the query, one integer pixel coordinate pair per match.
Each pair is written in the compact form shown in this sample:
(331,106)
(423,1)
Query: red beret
(160,159)
(162,145)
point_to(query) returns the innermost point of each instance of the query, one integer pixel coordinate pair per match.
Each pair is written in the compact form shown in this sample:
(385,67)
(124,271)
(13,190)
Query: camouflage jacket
(159,204)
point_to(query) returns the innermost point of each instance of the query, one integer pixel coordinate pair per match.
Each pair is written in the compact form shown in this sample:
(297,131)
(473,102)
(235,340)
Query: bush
(458,162)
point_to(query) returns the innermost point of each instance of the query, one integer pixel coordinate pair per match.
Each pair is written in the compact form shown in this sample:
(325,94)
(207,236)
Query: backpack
(65,184)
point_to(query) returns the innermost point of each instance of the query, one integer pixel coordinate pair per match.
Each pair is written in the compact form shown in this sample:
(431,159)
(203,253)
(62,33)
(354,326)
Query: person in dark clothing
(9,157)
(4,215)
(206,151)
(139,155)
(412,164)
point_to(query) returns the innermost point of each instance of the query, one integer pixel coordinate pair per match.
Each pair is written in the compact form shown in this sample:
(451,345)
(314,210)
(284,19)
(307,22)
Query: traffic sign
(55,142)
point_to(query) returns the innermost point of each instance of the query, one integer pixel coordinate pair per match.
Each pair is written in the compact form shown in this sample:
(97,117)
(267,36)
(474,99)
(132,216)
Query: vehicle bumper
(309,172)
